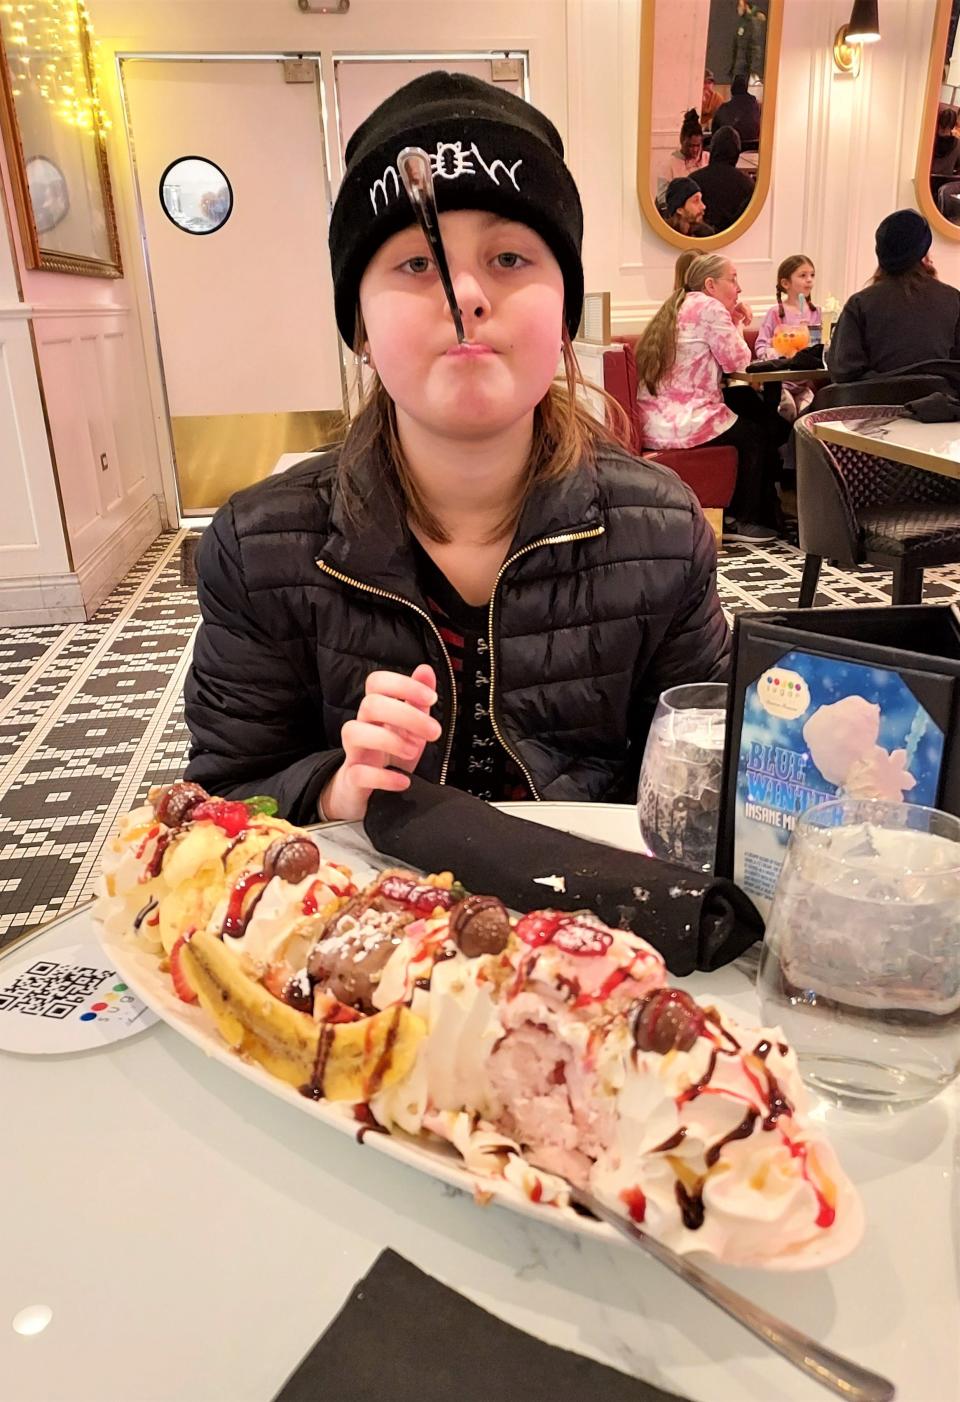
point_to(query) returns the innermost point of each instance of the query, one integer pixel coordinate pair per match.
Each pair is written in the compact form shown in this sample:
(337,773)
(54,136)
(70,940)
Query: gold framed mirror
(735,44)
(938,151)
(53,129)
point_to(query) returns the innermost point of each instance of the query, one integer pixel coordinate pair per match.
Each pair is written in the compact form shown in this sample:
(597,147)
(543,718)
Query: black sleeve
(696,646)
(847,355)
(255,720)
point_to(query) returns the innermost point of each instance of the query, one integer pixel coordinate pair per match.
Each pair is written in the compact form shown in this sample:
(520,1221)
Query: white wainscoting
(31,533)
(110,509)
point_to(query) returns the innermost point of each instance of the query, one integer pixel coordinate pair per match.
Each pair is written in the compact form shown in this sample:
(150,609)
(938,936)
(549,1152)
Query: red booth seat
(711,473)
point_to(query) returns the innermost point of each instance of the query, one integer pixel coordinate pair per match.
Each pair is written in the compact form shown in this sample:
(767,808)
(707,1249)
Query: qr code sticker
(48,989)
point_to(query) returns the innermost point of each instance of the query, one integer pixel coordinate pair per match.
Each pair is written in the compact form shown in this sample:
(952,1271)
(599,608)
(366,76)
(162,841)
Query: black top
(726,193)
(608,597)
(893,324)
(742,112)
(479,763)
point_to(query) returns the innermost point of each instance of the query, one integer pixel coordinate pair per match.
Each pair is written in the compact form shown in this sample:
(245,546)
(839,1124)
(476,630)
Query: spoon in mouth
(413,164)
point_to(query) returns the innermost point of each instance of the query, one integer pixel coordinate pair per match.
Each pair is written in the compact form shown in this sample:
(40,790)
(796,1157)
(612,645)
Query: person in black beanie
(905,316)
(480,585)
(683,204)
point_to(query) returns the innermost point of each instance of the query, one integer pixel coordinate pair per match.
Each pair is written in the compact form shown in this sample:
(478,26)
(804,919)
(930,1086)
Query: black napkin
(405,1336)
(695,921)
(936,408)
(810,358)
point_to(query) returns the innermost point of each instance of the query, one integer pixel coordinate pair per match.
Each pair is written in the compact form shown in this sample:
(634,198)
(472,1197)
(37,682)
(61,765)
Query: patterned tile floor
(91,715)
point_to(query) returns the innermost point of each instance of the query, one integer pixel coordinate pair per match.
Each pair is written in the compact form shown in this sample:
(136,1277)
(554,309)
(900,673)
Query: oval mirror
(938,155)
(708,88)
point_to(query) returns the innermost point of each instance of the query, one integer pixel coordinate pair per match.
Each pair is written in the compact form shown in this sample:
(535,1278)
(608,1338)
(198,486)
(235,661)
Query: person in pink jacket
(692,341)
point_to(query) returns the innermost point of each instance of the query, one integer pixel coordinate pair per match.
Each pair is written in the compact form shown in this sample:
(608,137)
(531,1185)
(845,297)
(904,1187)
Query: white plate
(142,972)
(343,843)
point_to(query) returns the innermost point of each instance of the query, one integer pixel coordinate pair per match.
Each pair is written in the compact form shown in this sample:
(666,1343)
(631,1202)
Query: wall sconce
(846,56)
(864,28)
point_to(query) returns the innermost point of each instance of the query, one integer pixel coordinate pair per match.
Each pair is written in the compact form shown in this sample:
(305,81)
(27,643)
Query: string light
(46,40)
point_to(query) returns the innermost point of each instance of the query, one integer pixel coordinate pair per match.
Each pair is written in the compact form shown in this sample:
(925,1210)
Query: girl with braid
(795,307)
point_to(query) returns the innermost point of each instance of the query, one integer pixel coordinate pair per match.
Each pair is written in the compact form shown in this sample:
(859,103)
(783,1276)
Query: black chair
(897,389)
(856,508)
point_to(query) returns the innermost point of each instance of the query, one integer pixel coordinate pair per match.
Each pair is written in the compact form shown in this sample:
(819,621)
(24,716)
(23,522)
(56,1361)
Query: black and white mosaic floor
(91,715)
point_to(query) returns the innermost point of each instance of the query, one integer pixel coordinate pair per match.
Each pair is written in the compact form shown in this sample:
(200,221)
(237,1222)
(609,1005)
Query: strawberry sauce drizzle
(635,1203)
(237,918)
(826,1214)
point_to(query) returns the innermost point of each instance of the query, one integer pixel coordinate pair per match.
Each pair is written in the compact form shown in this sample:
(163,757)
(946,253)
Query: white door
(231,177)
(363,83)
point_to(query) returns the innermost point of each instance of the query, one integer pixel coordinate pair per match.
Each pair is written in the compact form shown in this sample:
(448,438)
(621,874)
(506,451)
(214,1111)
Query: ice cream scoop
(839,734)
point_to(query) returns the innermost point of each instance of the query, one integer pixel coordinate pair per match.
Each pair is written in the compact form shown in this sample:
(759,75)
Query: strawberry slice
(183,990)
(232,816)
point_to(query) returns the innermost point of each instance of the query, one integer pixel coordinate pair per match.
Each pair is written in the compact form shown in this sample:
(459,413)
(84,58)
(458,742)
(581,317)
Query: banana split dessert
(547,1049)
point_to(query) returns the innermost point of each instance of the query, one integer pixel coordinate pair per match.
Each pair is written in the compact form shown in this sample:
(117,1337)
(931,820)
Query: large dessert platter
(511,1055)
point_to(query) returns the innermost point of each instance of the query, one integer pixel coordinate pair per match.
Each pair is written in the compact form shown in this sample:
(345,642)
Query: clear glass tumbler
(678,802)
(860,964)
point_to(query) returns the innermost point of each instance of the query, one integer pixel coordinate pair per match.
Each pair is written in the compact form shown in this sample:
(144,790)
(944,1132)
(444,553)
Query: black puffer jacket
(607,597)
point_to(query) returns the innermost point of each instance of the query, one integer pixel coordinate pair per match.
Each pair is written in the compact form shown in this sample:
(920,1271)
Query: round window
(196,195)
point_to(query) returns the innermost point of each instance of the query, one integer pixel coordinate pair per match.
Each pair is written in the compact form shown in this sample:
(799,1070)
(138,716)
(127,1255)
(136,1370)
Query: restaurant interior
(767,328)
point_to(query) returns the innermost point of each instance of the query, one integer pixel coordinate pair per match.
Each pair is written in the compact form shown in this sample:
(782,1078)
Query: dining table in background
(930,447)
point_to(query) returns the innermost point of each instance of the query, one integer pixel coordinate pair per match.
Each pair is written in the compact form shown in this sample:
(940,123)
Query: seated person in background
(794,308)
(905,316)
(741,111)
(683,204)
(691,342)
(710,101)
(689,155)
(726,191)
(946,145)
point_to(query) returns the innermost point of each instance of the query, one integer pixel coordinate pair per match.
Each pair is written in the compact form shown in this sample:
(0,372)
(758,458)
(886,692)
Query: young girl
(795,277)
(689,156)
(480,585)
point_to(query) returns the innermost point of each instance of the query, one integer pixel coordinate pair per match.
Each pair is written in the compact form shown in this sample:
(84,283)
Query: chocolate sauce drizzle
(241,837)
(673,1142)
(369,1125)
(691,1207)
(743,1131)
(691,1203)
(141,915)
(237,919)
(313,1090)
(386,1056)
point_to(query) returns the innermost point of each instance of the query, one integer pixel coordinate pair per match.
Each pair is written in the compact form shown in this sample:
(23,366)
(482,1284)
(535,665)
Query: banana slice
(344,1061)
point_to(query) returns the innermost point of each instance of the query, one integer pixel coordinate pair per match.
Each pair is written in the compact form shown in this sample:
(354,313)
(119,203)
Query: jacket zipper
(567,537)
(399,599)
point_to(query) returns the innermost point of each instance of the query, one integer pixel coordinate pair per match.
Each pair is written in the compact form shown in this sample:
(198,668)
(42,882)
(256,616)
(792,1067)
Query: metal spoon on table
(838,1374)
(416,173)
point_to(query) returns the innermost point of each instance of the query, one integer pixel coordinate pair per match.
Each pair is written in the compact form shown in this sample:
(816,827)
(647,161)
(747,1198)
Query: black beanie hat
(679,191)
(903,238)
(489,149)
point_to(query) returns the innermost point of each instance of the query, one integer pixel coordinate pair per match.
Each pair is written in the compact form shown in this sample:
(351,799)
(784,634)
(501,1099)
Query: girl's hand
(392,727)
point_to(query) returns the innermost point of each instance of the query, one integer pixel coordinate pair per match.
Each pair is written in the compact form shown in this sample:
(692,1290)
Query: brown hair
(657,347)
(911,278)
(681,266)
(566,437)
(787,269)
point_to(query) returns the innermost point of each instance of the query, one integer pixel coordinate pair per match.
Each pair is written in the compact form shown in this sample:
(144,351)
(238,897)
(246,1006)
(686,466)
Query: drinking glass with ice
(860,964)
(678,802)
